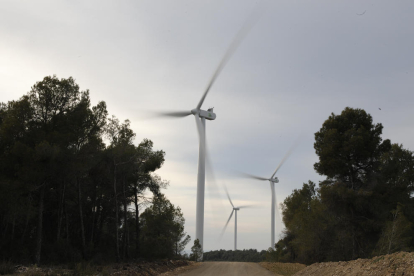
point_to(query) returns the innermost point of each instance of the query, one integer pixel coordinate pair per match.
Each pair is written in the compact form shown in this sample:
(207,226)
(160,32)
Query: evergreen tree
(162,231)
(357,211)
(197,251)
(65,195)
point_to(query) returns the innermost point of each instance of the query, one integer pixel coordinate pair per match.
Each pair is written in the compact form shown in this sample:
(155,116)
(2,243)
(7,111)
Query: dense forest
(251,255)
(364,207)
(72,183)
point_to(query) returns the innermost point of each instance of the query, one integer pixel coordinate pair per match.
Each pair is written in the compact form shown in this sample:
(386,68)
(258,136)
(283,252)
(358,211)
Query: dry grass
(285,269)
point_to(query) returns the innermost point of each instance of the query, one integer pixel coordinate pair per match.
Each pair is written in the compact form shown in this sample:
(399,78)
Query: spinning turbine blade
(247,26)
(285,157)
(228,196)
(255,177)
(177,114)
(225,226)
(277,207)
(200,130)
(213,191)
(245,206)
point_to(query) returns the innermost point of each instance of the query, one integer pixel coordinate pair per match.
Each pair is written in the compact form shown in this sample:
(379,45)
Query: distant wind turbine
(272,181)
(235,209)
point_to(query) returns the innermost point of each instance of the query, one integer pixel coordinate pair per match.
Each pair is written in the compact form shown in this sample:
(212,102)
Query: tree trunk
(128,243)
(125,253)
(40,225)
(95,209)
(94,213)
(136,222)
(116,216)
(81,219)
(393,230)
(14,224)
(99,220)
(67,224)
(27,217)
(5,222)
(60,213)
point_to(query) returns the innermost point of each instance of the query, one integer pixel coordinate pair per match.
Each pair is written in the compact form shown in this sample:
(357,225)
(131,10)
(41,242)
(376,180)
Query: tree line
(365,205)
(72,183)
(250,255)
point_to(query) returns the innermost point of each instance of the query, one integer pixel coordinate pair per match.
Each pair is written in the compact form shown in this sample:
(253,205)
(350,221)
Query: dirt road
(227,268)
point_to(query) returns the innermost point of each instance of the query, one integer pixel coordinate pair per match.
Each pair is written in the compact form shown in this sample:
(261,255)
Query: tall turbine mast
(202,115)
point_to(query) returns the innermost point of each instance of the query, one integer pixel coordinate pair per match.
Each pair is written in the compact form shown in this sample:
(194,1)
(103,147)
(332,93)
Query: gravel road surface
(227,268)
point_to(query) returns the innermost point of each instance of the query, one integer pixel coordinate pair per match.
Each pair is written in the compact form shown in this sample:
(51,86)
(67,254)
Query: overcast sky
(302,61)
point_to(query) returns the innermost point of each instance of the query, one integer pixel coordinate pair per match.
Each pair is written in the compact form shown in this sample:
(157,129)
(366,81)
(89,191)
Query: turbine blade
(254,176)
(225,226)
(176,114)
(286,156)
(214,193)
(277,207)
(246,206)
(228,196)
(247,26)
(199,127)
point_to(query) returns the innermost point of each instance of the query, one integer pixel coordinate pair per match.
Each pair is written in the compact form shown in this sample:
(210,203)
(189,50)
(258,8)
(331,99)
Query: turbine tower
(235,209)
(272,180)
(202,115)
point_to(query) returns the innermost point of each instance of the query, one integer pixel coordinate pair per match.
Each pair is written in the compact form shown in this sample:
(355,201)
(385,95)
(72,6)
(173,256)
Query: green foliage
(251,255)
(349,147)
(6,268)
(396,235)
(65,195)
(357,210)
(197,251)
(84,269)
(272,255)
(162,230)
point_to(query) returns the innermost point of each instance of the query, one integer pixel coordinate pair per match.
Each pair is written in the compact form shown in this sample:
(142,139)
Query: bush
(83,269)
(6,268)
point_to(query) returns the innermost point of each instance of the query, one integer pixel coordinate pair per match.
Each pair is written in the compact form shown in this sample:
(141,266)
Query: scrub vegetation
(250,255)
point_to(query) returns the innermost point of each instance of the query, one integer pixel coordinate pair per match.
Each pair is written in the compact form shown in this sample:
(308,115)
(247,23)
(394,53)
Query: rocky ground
(401,263)
(283,269)
(140,268)
(397,264)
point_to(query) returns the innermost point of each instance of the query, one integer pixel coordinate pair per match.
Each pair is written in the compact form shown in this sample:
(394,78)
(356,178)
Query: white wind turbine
(235,209)
(272,180)
(200,118)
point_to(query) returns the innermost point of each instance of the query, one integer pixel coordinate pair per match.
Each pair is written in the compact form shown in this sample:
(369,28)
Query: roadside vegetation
(285,269)
(73,184)
(365,205)
(250,255)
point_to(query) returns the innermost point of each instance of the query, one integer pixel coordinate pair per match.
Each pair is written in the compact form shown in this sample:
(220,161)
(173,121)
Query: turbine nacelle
(274,180)
(236,209)
(209,114)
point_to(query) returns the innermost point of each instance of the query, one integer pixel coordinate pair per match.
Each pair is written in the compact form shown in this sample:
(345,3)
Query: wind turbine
(200,118)
(235,209)
(272,180)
